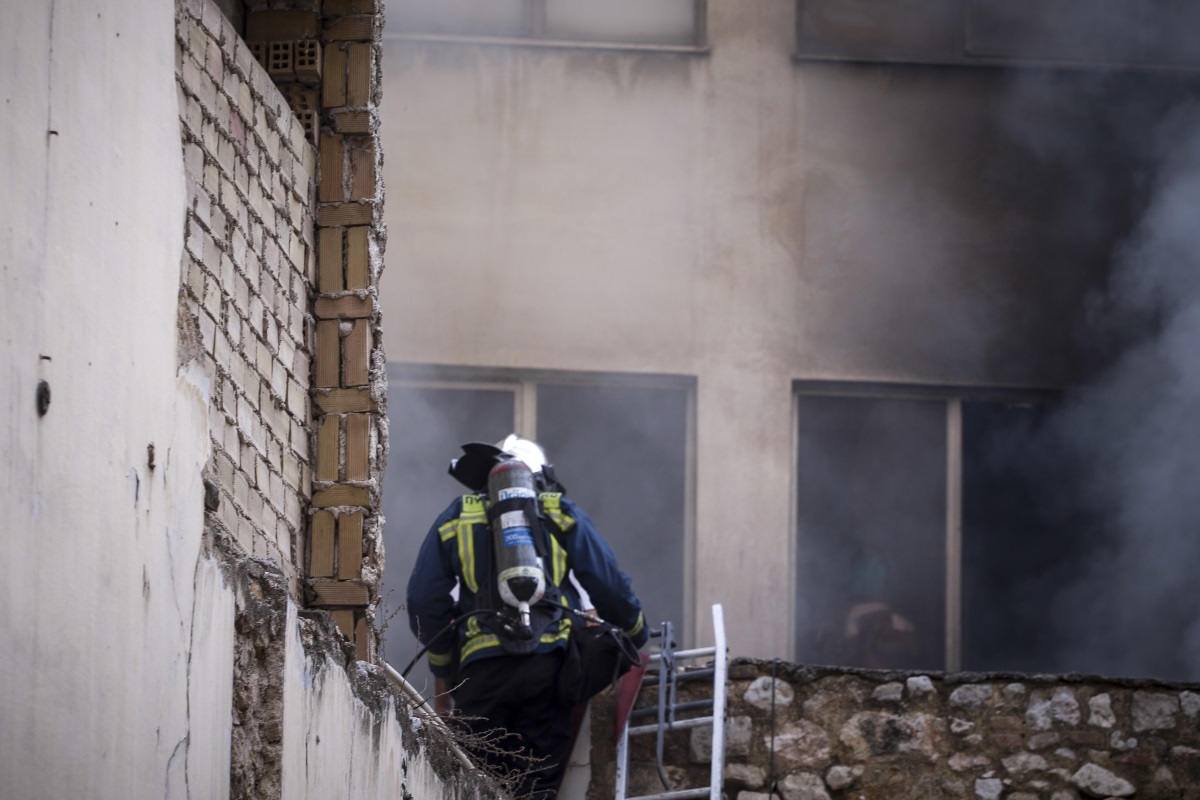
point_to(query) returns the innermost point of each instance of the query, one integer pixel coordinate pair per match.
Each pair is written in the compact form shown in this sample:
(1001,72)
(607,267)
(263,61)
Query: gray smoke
(1132,607)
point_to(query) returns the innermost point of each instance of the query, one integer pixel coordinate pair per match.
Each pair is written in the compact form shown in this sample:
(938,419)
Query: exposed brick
(352,122)
(258,49)
(328,448)
(297,400)
(328,355)
(341,8)
(350,527)
(276,25)
(345,214)
(358,258)
(345,307)
(358,443)
(333,86)
(356,355)
(341,593)
(359,29)
(308,62)
(329,260)
(341,495)
(345,401)
(320,561)
(358,74)
(362,639)
(344,619)
(281,61)
(362,172)
(331,188)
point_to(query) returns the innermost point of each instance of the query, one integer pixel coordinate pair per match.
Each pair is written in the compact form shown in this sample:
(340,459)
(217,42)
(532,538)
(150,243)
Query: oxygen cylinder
(519,574)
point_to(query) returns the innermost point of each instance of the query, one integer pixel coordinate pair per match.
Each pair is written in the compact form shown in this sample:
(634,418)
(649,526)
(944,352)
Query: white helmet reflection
(525,450)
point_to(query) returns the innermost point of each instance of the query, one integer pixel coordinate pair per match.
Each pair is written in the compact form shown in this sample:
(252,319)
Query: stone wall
(829,734)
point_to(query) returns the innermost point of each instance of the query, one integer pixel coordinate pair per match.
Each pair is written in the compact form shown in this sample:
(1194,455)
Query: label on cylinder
(515,537)
(514,492)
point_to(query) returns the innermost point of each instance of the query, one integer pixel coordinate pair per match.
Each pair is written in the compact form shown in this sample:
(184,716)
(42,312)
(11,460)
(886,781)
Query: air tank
(519,574)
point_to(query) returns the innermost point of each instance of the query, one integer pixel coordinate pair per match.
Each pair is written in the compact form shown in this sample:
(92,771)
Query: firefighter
(519,673)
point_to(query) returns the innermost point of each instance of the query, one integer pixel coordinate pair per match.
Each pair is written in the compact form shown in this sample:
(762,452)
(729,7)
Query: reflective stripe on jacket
(457,550)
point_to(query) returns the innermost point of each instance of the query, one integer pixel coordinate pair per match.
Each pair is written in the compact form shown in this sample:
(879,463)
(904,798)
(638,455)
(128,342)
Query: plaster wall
(117,629)
(335,745)
(737,216)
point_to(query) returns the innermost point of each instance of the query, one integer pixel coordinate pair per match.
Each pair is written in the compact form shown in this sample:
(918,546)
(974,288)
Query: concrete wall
(744,218)
(151,645)
(800,733)
(116,667)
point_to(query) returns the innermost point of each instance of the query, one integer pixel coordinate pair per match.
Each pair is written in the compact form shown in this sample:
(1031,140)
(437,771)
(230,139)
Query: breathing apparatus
(520,577)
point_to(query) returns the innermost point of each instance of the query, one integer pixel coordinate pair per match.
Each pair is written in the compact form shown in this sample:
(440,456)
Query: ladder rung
(696,705)
(694,675)
(679,794)
(697,653)
(678,725)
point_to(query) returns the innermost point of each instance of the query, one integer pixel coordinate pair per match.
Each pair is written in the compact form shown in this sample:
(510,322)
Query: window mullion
(954,516)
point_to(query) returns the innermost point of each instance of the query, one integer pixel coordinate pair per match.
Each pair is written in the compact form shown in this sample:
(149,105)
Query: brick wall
(284,250)
(824,734)
(249,269)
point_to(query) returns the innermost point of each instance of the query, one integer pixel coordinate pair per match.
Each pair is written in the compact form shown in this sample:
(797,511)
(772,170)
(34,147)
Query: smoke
(1132,607)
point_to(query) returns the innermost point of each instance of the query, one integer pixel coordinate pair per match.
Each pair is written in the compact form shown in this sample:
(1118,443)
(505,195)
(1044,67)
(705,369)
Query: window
(659,23)
(1108,33)
(606,436)
(927,532)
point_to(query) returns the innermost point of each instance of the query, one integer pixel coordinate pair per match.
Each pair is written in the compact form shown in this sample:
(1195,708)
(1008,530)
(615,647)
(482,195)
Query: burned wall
(803,733)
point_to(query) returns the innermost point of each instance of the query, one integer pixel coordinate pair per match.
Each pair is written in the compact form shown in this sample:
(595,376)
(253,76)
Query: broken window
(606,435)
(928,536)
(636,22)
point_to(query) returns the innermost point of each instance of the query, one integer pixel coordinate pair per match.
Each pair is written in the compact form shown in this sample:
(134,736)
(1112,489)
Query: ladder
(666,666)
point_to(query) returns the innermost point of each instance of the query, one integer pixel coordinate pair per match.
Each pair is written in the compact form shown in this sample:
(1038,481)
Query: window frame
(952,397)
(538,38)
(524,383)
(965,57)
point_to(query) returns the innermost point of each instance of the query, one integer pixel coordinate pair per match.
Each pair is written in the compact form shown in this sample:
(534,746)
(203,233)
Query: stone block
(344,619)
(362,639)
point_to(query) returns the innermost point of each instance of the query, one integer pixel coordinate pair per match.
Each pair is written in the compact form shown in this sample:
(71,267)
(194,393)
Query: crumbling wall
(827,734)
(248,272)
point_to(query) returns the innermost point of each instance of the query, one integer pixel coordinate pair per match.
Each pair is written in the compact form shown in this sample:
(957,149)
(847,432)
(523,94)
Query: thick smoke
(1132,606)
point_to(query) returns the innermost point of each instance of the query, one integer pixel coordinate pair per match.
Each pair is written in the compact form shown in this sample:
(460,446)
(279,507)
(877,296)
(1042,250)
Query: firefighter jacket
(458,551)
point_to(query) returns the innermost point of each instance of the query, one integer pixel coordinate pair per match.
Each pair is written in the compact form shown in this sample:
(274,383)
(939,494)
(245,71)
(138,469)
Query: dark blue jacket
(458,549)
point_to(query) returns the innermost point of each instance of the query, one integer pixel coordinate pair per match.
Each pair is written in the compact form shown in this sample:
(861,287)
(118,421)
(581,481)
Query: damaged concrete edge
(261,619)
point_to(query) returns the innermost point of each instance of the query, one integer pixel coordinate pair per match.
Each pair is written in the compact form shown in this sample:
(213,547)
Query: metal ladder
(665,665)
